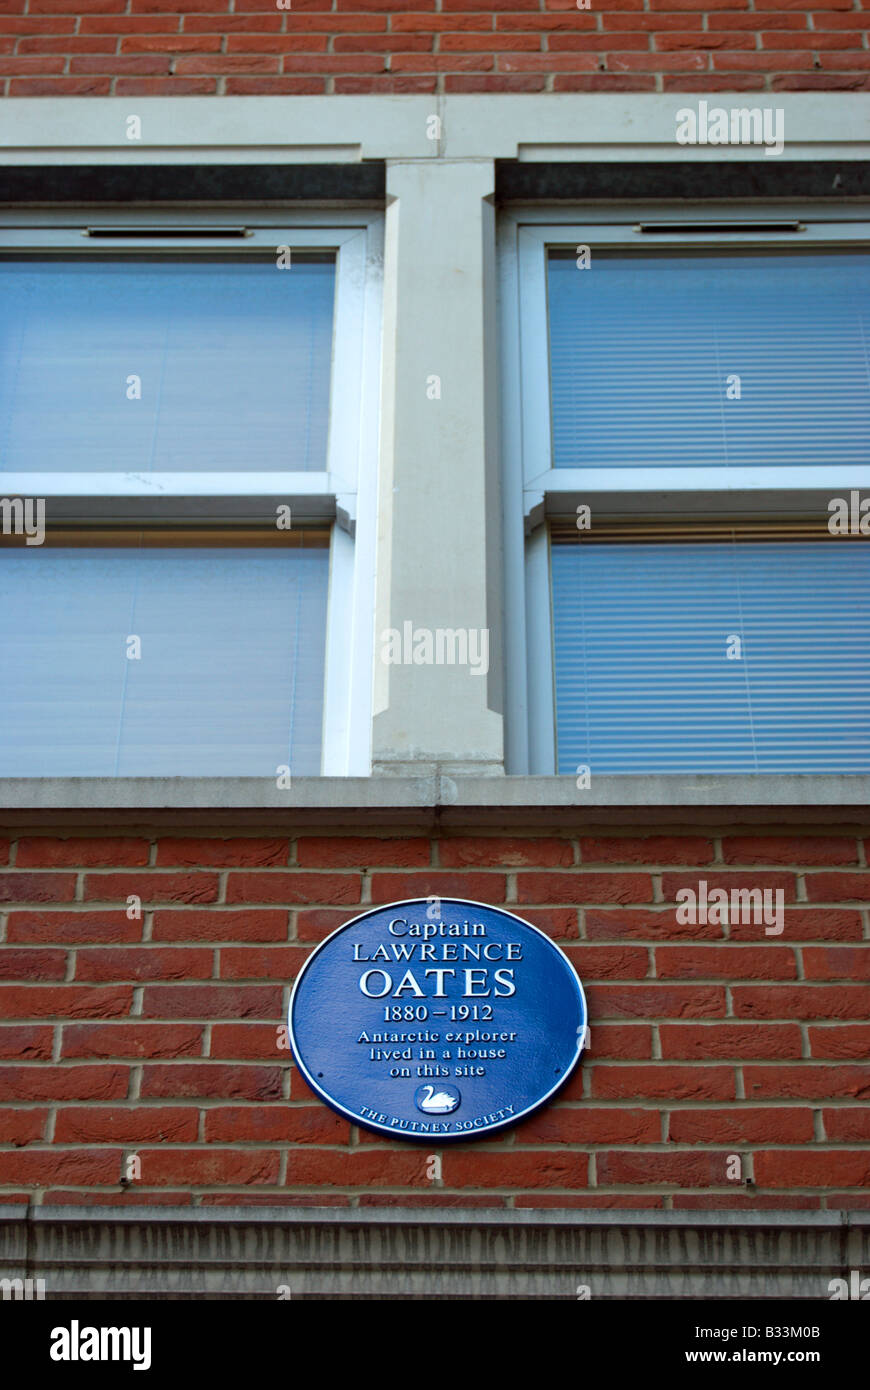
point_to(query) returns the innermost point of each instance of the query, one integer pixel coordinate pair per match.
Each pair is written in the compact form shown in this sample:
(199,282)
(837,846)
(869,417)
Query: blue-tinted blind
(230,679)
(641,346)
(643,679)
(233,358)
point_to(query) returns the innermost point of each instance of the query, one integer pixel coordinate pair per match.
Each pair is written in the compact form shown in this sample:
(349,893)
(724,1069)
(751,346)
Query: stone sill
(420,804)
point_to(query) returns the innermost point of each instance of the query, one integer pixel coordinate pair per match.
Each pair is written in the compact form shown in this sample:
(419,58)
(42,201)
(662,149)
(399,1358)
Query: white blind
(641,347)
(230,678)
(233,357)
(644,682)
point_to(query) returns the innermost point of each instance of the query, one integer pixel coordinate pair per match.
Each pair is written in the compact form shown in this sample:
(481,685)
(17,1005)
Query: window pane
(230,677)
(233,357)
(641,347)
(644,682)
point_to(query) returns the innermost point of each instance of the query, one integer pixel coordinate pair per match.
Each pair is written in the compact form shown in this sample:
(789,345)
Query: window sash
(535,492)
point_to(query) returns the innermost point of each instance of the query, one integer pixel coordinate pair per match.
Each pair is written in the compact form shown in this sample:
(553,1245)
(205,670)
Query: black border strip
(770,177)
(224,183)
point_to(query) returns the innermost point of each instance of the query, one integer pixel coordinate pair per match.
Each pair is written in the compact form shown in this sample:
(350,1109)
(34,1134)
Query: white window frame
(344,492)
(534,490)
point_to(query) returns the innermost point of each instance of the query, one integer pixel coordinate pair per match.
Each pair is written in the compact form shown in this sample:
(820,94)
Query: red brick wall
(135,48)
(159,1036)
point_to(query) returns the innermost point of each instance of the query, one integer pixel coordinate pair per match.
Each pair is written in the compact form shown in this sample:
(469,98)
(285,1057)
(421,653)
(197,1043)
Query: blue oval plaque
(437,1018)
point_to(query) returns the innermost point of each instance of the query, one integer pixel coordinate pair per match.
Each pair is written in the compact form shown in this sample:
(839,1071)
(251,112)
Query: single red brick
(255,1040)
(22,1127)
(41,1082)
(65,1001)
(752,21)
(707,83)
(262,962)
(60,87)
(45,852)
(650,849)
(592,1200)
(360,852)
(609,962)
(37,888)
(222,854)
(217,924)
(101,1197)
(86,1124)
(676,882)
(812,1168)
(132,1040)
(363,1167)
(115,64)
(134,24)
(656,1001)
(152,887)
(315,924)
(849,1041)
(291,888)
(681,1169)
(385,43)
(552,23)
(725,962)
(788,849)
(209,1080)
(801,1001)
(41,964)
(207,1167)
(509,1168)
(477,887)
(274,86)
(73,925)
(847,1125)
(741,62)
(604,924)
(52,24)
(555,921)
(12,67)
(584,887)
(490,43)
(808,924)
(741,1201)
(663,1083)
(28,1042)
(144,963)
(619,1041)
(334,64)
(434,23)
(838,887)
(271,1199)
(291,1124)
(671,41)
(491,852)
(212,1001)
(182,43)
(741,1125)
(836,962)
(165,86)
(806,1082)
(561,1124)
(438,62)
(660,23)
(82,1167)
(695,1043)
(661,62)
(428,1199)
